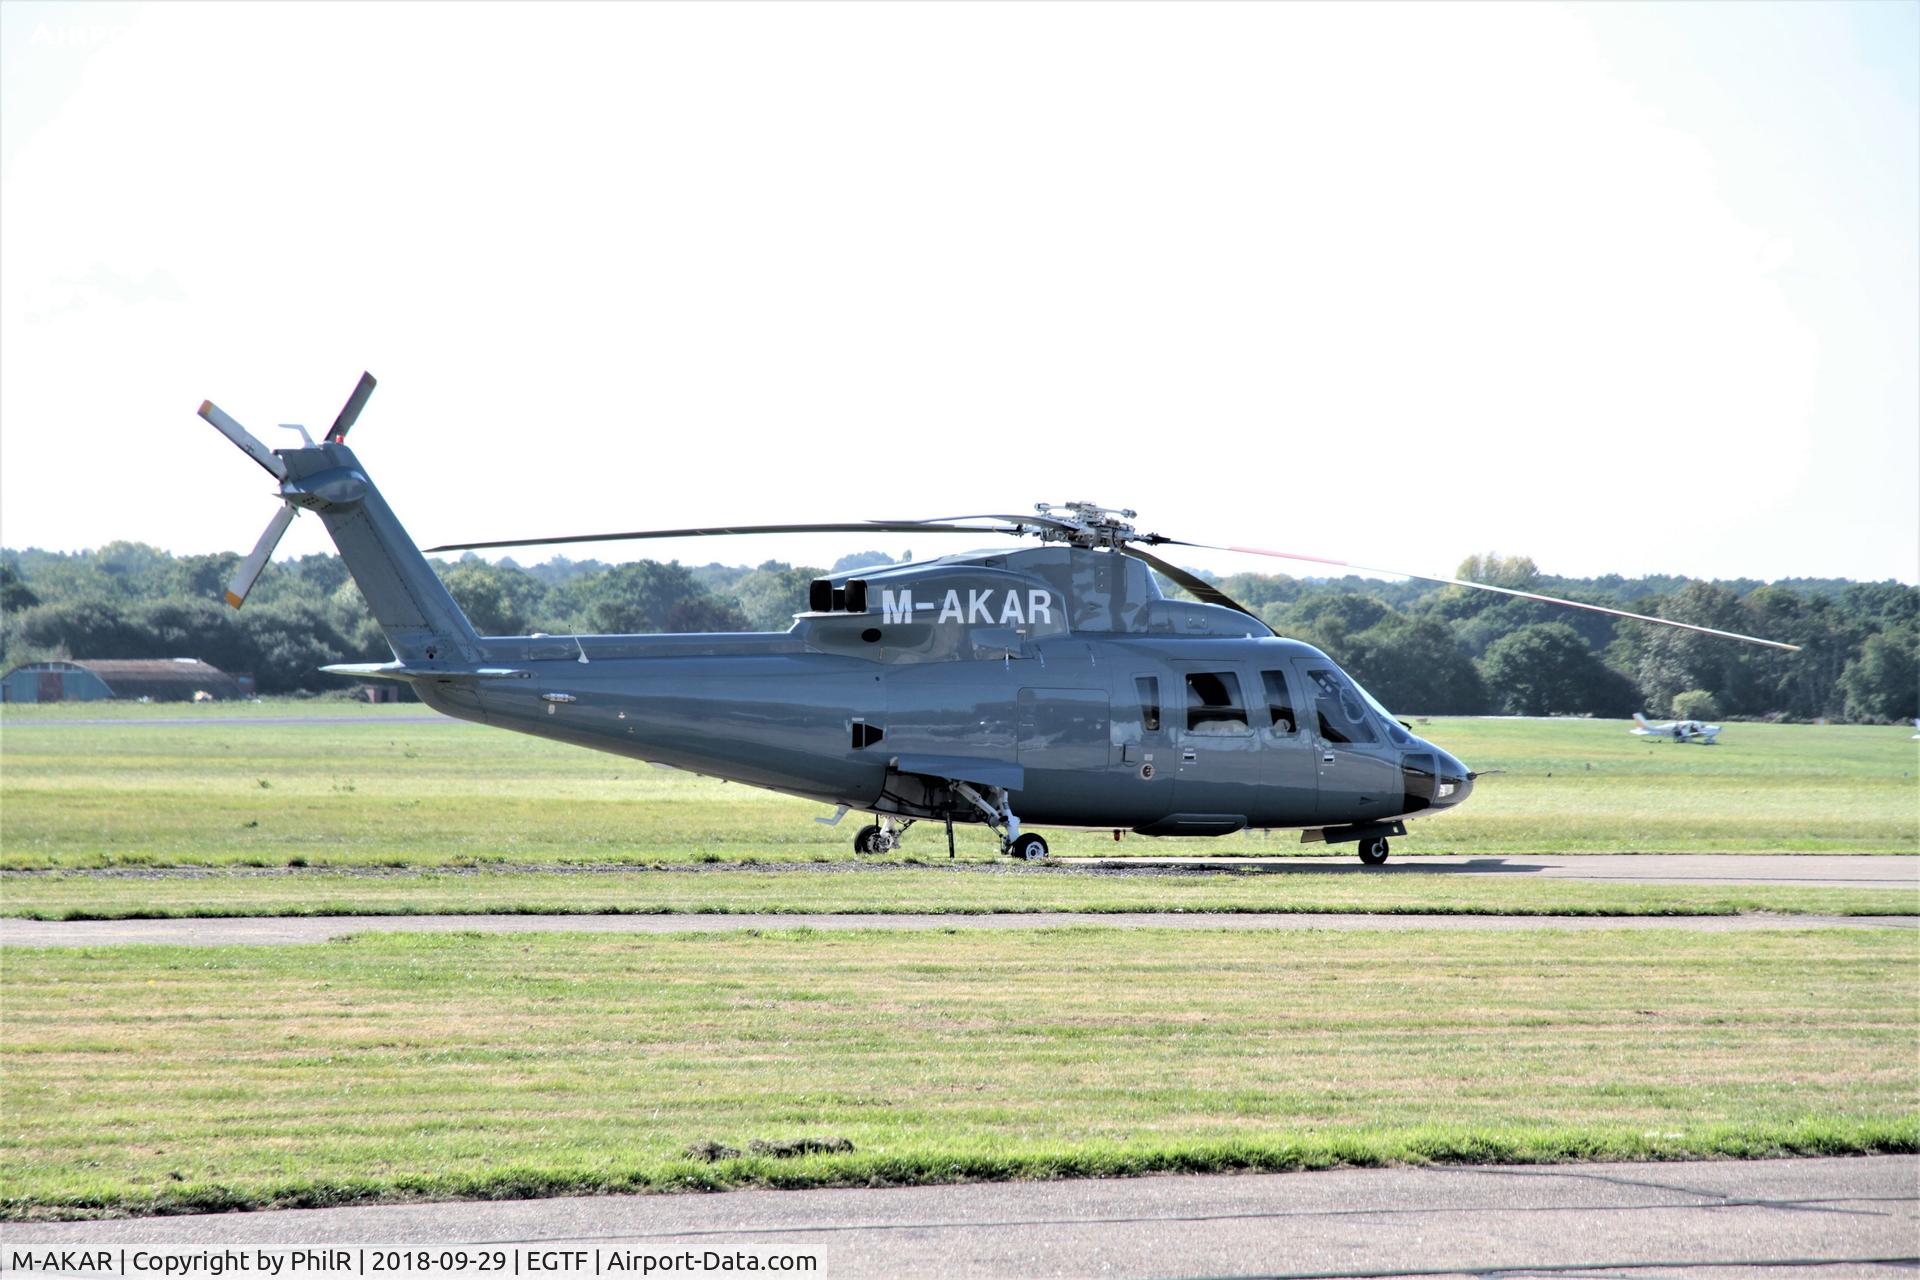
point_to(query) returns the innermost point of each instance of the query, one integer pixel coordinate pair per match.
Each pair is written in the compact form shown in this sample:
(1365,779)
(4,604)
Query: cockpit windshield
(1395,730)
(1341,706)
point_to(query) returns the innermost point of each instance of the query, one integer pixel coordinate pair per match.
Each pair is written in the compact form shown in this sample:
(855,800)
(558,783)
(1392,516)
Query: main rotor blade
(1054,522)
(1199,586)
(241,436)
(1505,591)
(249,570)
(350,412)
(713,531)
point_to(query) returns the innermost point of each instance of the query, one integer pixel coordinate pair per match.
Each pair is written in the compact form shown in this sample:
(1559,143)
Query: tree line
(1418,647)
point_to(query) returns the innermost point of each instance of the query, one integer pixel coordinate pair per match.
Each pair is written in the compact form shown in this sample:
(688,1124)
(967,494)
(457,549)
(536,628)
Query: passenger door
(1359,771)
(1220,756)
(1144,758)
(1289,769)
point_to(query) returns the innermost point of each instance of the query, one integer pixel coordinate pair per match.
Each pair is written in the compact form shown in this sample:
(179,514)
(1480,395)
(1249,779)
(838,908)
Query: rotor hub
(1087,524)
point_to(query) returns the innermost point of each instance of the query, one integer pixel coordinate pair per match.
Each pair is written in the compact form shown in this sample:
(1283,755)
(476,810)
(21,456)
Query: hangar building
(161,679)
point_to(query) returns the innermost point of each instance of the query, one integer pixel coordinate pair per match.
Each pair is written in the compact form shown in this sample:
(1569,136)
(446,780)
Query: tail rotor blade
(350,412)
(233,431)
(249,570)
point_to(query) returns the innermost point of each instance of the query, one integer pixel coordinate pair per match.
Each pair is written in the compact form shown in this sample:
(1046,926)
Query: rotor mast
(1090,525)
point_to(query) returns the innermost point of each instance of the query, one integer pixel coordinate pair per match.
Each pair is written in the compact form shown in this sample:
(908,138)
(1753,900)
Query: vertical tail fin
(408,600)
(418,617)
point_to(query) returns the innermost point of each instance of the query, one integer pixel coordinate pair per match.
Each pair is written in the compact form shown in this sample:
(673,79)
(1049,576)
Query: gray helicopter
(1052,684)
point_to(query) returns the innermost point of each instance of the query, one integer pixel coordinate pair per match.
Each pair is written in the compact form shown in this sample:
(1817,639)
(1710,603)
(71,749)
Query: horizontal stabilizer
(400,671)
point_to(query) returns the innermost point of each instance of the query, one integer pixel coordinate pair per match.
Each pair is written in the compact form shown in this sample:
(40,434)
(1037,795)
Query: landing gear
(883,837)
(1028,847)
(996,807)
(1373,852)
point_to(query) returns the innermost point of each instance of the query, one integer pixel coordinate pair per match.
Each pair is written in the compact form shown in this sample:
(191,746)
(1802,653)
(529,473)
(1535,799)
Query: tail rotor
(249,569)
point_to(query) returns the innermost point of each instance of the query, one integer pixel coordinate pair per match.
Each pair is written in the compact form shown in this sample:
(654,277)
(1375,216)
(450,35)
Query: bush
(1695,704)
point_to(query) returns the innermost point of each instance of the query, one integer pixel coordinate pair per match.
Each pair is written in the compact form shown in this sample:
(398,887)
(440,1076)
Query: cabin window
(1279,702)
(1343,717)
(1213,703)
(1148,687)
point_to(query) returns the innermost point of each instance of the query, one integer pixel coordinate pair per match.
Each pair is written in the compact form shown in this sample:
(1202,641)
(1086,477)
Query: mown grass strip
(377,791)
(1362,1151)
(162,1079)
(930,890)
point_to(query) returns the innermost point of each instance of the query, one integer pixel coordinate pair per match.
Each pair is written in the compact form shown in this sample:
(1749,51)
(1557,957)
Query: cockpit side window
(1279,702)
(1343,717)
(1213,703)
(1148,689)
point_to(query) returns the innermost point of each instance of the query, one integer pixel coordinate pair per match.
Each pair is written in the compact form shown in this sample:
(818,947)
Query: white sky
(1628,289)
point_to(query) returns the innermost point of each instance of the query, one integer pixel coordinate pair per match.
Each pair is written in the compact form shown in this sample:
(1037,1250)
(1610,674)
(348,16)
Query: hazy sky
(1624,288)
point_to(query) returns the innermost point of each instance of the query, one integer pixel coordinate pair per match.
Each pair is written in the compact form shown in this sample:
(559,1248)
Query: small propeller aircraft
(1676,730)
(1051,684)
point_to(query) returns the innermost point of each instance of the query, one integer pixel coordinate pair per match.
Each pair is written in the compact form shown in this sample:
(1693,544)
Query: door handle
(1326,757)
(1188,755)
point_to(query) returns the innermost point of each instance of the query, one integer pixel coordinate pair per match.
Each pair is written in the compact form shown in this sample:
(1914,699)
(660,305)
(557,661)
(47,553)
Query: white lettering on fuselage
(896,606)
(978,608)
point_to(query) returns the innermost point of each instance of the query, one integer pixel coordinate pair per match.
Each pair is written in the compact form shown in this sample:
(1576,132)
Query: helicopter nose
(1435,777)
(1456,780)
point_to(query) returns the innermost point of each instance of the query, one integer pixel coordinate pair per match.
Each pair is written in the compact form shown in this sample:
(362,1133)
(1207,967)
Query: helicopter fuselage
(1154,734)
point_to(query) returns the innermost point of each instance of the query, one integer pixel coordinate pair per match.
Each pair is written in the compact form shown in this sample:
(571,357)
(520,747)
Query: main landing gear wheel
(875,839)
(1028,848)
(1373,852)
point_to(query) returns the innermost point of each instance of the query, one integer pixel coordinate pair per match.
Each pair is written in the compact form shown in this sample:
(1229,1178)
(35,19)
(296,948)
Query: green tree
(1546,668)
(1413,665)
(352,621)
(634,598)
(1326,620)
(91,628)
(1667,660)
(193,629)
(204,577)
(772,594)
(1883,683)
(289,641)
(15,594)
(1517,573)
(705,613)
(498,601)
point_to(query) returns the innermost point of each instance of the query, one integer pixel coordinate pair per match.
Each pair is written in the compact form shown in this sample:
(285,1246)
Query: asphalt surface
(282,930)
(1837,871)
(1839,1217)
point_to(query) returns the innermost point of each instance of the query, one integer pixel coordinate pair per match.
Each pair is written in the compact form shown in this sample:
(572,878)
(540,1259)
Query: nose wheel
(1028,847)
(1373,852)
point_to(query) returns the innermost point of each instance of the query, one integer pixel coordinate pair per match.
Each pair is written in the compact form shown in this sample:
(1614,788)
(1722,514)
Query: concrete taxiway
(1835,871)
(1835,1217)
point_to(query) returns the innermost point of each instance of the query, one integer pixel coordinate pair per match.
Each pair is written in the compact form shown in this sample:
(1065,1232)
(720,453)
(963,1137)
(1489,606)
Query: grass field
(76,896)
(148,1079)
(80,791)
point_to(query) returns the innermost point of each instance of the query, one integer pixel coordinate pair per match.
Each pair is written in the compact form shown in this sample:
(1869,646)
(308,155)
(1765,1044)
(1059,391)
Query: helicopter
(1050,684)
